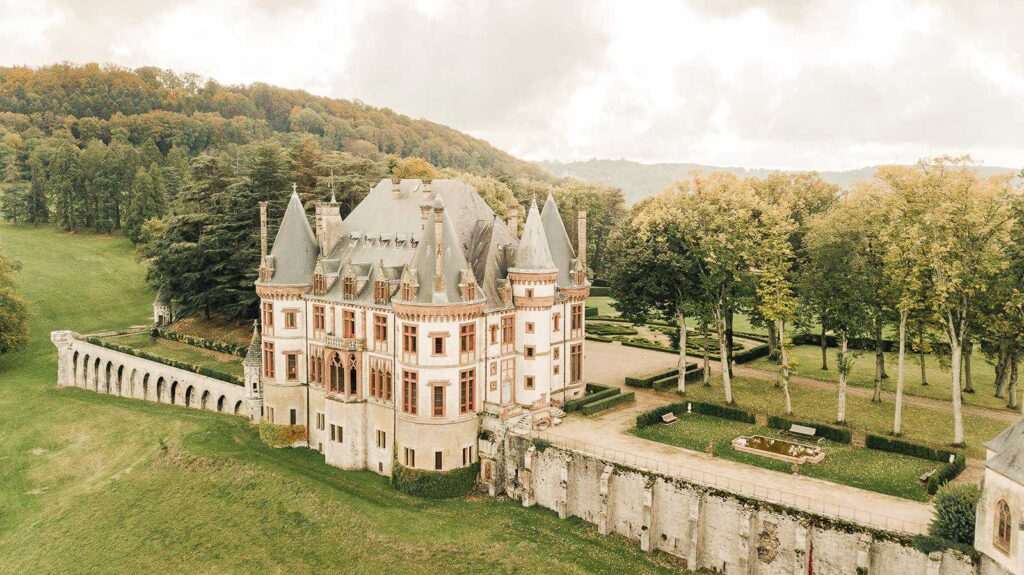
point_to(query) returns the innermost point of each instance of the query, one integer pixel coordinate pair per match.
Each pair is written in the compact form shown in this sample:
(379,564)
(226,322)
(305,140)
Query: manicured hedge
(647,382)
(600,291)
(894,445)
(602,404)
(862,343)
(167,361)
(748,355)
(946,473)
(577,404)
(434,484)
(644,344)
(590,312)
(713,409)
(832,433)
(610,329)
(211,344)
(600,338)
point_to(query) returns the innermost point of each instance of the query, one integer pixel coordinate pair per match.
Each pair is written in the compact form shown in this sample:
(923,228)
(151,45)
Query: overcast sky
(814,85)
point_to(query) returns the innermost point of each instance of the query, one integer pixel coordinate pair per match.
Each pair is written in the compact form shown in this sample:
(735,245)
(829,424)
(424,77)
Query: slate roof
(252,354)
(533,252)
(562,253)
(295,247)
(1008,446)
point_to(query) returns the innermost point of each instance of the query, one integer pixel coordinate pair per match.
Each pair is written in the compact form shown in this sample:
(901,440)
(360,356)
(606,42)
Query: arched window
(1003,525)
(336,373)
(352,382)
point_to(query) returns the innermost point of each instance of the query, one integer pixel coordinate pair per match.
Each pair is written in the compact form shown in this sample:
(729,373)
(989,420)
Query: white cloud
(812,84)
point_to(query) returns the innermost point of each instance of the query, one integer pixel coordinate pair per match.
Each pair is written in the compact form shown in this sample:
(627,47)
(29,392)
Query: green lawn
(806,360)
(175,350)
(740,321)
(98,484)
(920,424)
(879,471)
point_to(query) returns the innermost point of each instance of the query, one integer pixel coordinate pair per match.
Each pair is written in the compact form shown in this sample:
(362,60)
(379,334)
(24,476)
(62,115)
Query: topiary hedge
(281,435)
(434,484)
(713,409)
(216,374)
(832,433)
(599,291)
(590,312)
(607,329)
(211,344)
(894,445)
(602,404)
(946,473)
(577,404)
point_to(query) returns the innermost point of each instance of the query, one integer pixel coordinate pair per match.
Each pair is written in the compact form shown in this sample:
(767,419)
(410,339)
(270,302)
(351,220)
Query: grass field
(176,350)
(888,473)
(919,424)
(97,484)
(807,362)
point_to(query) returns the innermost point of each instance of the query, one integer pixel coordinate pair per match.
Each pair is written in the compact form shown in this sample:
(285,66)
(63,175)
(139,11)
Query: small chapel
(393,333)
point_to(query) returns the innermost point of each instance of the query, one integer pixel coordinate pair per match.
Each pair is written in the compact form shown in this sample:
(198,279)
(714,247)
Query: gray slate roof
(295,247)
(252,354)
(558,241)
(1008,446)
(533,252)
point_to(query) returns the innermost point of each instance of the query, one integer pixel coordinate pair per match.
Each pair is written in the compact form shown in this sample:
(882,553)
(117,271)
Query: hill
(638,180)
(93,483)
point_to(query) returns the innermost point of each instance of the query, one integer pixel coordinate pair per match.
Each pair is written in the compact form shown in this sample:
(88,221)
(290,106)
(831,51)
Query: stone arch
(160,389)
(238,407)
(85,371)
(131,383)
(189,392)
(96,375)
(174,392)
(120,380)
(145,386)
(353,375)
(74,369)
(204,400)
(220,403)
(336,373)
(106,376)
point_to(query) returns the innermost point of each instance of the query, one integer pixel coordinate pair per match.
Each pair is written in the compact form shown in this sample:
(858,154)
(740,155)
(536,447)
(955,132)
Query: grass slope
(99,484)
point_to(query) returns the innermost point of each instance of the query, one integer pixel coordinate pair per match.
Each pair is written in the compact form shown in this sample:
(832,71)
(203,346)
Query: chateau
(393,333)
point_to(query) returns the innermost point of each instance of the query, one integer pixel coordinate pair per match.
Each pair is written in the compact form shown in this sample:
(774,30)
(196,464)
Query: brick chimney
(427,185)
(581,238)
(396,185)
(439,248)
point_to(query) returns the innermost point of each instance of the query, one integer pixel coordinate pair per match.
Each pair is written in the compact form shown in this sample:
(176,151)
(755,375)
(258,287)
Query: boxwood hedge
(602,404)
(830,432)
(434,484)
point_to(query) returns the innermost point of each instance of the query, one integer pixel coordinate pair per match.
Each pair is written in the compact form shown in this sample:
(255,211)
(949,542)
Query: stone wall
(707,528)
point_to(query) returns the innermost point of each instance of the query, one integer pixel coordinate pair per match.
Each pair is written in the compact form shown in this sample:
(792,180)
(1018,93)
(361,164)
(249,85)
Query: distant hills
(638,180)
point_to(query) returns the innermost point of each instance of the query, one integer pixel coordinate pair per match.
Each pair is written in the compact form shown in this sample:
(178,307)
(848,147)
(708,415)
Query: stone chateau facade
(403,330)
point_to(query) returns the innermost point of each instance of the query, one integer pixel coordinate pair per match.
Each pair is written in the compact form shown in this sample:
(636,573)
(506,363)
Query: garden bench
(926,476)
(803,431)
(669,418)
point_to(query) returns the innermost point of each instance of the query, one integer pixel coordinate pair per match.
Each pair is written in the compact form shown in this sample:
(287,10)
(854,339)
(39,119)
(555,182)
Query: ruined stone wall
(707,528)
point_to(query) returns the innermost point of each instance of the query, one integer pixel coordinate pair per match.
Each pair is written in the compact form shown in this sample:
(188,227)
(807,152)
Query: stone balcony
(345,343)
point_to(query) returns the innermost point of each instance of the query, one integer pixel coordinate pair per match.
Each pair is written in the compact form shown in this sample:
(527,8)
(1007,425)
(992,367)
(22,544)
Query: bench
(669,418)
(803,430)
(926,476)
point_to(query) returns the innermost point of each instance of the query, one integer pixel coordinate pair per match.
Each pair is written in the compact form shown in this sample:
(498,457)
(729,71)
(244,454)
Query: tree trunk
(843,369)
(773,348)
(723,355)
(1012,392)
(920,353)
(784,367)
(876,396)
(968,352)
(707,357)
(728,340)
(1002,362)
(681,383)
(956,352)
(897,424)
(824,348)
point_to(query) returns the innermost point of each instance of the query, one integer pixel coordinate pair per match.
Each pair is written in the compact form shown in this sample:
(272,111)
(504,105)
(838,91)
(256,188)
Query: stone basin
(780,449)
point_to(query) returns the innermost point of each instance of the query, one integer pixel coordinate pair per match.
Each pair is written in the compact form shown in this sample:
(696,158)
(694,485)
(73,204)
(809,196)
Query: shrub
(927,544)
(610,329)
(648,382)
(167,361)
(590,312)
(725,412)
(602,404)
(654,416)
(211,344)
(832,433)
(599,291)
(576,404)
(946,473)
(894,445)
(281,435)
(955,513)
(434,484)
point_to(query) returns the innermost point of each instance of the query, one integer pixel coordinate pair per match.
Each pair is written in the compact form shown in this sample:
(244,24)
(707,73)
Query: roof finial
(295,188)
(330,184)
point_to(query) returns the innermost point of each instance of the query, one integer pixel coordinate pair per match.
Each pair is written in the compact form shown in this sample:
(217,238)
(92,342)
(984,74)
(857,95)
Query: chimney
(439,248)
(581,238)
(427,185)
(321,226)
(513,220)
(425,210)
(396,185)
(263,231)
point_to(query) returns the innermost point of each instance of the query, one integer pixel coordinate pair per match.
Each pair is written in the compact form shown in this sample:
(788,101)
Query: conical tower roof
(295,247)
(533,253)
(558,240)
(252,354)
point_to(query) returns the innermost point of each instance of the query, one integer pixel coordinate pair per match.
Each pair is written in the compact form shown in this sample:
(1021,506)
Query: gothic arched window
(1003,525)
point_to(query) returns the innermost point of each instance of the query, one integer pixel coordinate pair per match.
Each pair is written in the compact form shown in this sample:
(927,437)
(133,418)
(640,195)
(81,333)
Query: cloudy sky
(785,84)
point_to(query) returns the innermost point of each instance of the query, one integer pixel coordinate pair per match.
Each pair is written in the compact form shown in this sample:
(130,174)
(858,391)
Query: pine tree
(37,209)
(64,186)
(147,201)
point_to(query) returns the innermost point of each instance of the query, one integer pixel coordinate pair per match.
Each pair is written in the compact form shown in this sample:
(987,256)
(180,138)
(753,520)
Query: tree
(37,208)
(64,187)
(415,168)
(605,208)
(147,201)
(774,281)
(13,311)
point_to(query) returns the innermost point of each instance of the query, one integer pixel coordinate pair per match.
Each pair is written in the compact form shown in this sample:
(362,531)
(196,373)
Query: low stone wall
(706,528)
(103,370)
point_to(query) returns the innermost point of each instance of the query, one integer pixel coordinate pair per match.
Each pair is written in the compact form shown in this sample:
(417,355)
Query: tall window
(437,400)
(318,318)
(438,460)
(290,319)
(348,324)
(437,345)
(410,457)
(467,338)
(409,338)
(1003,525)
(494,334)
(467,391)
(319,283)
(556,320)
(348,288)
(577,318)
(576,363)
(409,381)
(292,366)
(380,291)
(387,384)
(380,329)
(508,332)
(470,291)
(316,364)
(337,372)
(268,359)
(407,291)
(268,317)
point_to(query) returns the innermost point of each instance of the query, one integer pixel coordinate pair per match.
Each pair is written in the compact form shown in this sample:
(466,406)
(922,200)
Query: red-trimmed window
(467,391)
(409,383)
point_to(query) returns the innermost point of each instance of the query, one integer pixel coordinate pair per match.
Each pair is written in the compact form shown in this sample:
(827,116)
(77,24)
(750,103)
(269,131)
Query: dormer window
(407,291)
(348,288)
(381,291)
(469,291)
(319,283)
(580,277)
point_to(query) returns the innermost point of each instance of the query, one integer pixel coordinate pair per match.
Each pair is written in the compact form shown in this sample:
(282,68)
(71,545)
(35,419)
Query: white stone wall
(998,487)
(708,529)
